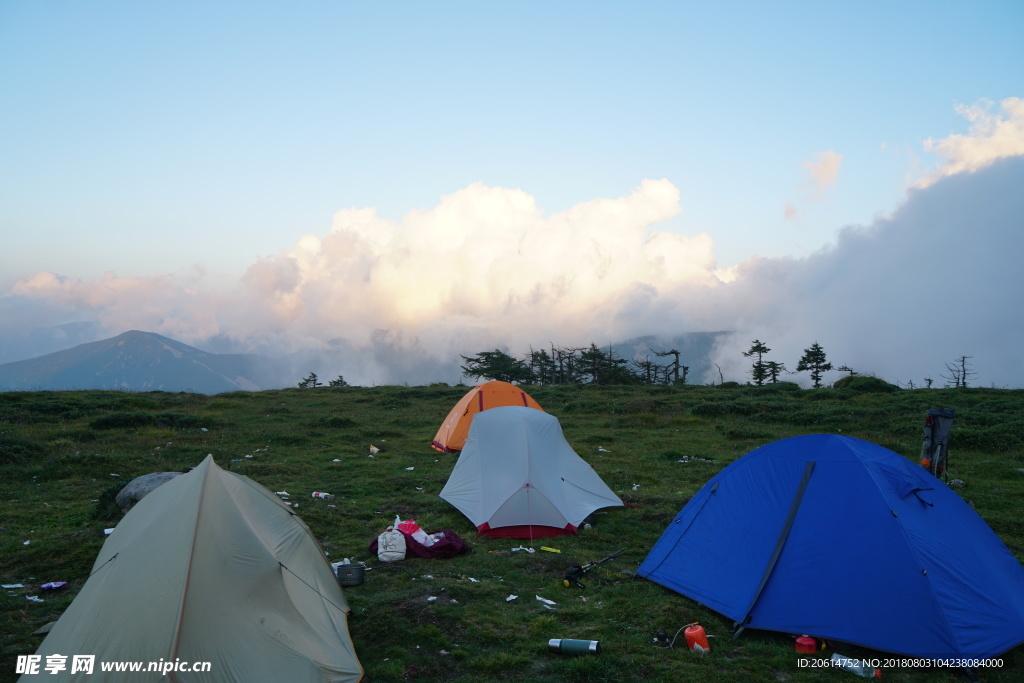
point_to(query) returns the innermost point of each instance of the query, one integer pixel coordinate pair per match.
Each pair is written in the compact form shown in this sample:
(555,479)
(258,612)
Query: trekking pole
(573,574)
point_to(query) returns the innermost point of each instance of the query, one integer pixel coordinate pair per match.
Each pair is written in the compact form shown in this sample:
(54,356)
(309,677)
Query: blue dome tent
(843,539)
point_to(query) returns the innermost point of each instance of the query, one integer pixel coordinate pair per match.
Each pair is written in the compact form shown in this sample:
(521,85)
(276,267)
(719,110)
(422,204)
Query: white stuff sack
(391,546)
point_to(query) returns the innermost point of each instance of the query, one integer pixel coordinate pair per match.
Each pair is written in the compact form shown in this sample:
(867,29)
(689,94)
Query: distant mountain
(141,361)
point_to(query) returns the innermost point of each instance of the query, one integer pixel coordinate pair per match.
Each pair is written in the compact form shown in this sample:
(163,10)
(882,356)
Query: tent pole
(783,535)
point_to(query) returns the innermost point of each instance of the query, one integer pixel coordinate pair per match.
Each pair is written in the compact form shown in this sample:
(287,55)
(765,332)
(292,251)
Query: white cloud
(991,136)
(176,308)
(483,257)
(823,171)
(820,175)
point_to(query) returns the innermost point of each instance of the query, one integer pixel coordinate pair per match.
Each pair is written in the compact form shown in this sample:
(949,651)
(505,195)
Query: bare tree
(647,369)
(959,371)
(673,368)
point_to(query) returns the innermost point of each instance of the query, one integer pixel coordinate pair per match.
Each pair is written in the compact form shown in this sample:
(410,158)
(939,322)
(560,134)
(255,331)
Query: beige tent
(210,567)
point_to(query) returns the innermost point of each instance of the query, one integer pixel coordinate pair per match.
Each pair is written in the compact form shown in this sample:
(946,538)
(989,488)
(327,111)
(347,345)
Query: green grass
(59,452)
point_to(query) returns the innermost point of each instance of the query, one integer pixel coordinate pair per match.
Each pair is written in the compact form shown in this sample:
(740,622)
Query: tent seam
(188,574)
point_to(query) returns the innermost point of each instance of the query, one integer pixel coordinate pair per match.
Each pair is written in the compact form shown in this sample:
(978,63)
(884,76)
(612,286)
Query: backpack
(391,546)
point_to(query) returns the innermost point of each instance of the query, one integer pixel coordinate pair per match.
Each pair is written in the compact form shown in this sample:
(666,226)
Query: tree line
(595,365)
(575,365)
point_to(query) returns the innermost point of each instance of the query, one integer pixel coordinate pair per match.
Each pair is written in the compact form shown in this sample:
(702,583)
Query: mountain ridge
(147,361)
(139,361)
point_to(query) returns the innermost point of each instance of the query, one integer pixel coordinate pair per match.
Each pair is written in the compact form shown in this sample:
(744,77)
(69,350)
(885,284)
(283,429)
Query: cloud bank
(384,301)
(937,280)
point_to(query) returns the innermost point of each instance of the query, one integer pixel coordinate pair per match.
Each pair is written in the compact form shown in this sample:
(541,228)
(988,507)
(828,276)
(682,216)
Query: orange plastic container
(696,638)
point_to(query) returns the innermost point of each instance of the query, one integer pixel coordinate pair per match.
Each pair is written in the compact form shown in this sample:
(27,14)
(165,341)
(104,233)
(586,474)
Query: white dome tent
(517,477)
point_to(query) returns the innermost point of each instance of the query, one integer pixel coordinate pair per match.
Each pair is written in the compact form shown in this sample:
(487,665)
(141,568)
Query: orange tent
(452,434)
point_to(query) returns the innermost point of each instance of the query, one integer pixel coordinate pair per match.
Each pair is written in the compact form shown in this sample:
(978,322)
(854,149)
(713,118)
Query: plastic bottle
(855,666)
(567,646)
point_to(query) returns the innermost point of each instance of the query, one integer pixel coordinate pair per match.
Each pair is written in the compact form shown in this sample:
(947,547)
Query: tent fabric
(451,436)
(843,539)
(517,477)
(211,567)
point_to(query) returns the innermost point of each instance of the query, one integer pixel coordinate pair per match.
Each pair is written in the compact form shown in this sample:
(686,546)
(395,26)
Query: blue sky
(190,141)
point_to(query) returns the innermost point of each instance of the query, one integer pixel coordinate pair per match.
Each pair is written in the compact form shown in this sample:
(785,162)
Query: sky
(436,179)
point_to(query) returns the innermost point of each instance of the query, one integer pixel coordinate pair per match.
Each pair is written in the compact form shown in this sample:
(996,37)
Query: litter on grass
(54,584)
(33,598)
(545,600)
(12,585)
(511,598)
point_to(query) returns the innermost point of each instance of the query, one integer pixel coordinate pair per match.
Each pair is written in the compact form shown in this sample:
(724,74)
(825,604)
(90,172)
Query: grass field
(59,452)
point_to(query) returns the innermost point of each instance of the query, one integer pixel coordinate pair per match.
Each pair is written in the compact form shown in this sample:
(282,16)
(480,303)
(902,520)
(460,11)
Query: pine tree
(773,369)
(497,365)
(814,361)
(759,371)
(310,381)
